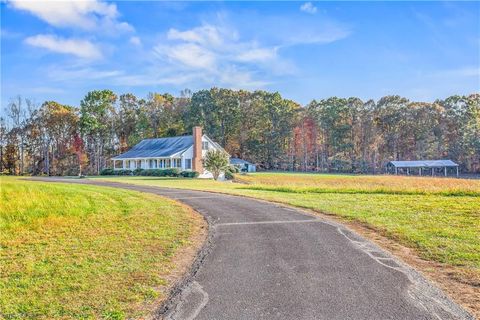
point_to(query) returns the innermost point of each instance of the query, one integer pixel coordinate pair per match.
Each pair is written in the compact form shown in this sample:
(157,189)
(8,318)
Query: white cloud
(215,54)
(308,7)
(240,79)
(135,41)
(77,47)
(205,35)
(187,55)
(258,54)
(84,14)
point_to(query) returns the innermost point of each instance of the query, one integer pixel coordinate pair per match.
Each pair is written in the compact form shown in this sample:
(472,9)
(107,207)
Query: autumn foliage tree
(327,135)
(78,148)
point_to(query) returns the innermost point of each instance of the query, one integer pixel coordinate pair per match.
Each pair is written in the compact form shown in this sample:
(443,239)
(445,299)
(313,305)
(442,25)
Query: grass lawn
(438,217)
(77,251)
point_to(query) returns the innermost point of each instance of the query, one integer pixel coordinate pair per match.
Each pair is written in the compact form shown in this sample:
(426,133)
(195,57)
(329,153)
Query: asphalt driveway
(266,261)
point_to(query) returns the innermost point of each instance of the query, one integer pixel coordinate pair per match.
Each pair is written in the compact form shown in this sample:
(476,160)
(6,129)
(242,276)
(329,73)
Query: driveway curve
(267,261)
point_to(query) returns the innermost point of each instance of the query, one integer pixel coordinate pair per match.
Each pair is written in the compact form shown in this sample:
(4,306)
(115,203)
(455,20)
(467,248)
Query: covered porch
(147,163)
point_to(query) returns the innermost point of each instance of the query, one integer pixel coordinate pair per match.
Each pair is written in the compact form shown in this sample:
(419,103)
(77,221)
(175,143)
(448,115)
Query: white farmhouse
(184,152)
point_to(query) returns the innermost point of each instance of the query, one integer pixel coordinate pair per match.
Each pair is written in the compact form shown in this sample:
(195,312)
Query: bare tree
(17,112)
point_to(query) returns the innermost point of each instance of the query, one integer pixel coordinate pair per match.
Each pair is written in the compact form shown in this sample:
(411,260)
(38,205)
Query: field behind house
(76,251)
(437,217)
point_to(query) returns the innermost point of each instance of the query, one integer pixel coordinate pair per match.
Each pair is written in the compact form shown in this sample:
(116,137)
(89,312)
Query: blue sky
(305,50)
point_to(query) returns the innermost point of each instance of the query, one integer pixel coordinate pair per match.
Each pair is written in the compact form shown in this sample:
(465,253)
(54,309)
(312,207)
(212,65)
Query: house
(422,166)
(243,165)
(184,152)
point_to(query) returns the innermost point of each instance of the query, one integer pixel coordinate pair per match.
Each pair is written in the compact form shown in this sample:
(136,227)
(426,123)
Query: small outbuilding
(422,166)
(243,165)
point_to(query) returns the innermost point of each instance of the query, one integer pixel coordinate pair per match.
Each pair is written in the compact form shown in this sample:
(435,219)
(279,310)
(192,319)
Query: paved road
(265,261)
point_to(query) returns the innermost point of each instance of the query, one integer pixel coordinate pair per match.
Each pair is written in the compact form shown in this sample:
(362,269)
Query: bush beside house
(173,172)
(216,161)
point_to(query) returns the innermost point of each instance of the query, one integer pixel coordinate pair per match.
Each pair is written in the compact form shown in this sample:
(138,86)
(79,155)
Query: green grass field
(438,217)
(85,252)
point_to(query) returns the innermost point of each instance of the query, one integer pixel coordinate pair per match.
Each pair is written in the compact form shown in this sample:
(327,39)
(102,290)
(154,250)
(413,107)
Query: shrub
(173,172)
(154,172)
(216,161)
(229,175)
(230,172)
(138,172)
(122,172)
(107,172)
(232,169)
(189,174)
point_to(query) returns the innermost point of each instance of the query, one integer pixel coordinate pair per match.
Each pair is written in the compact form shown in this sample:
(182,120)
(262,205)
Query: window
(204,145)
(188,163)
(177,163)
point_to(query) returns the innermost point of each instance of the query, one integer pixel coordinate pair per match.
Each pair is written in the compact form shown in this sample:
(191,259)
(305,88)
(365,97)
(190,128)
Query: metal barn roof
(423,163)
(156,148)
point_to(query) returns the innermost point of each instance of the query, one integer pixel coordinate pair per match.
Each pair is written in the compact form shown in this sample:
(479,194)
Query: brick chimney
(197,164)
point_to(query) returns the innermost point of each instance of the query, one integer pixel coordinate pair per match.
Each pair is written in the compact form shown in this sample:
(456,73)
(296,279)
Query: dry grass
(74,251)
(320,183)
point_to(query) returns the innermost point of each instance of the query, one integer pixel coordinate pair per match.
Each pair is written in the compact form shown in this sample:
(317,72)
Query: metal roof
(157,148)
(423,163)
(238,161)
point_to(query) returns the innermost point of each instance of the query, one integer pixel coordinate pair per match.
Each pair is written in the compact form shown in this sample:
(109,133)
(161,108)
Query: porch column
(457,171)
(113,164)
(123,164)
(445,169)
(420,172)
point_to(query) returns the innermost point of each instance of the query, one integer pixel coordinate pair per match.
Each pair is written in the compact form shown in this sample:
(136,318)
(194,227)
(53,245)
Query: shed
(430,166)
(243,165)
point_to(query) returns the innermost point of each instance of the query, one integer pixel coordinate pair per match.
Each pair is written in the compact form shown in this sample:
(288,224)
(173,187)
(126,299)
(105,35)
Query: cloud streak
(79,48)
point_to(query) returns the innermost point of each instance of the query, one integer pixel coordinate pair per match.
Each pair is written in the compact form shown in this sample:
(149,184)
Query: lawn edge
(187,262)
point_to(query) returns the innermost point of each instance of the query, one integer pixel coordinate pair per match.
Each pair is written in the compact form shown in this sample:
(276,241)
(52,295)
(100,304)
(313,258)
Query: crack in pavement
(193,300)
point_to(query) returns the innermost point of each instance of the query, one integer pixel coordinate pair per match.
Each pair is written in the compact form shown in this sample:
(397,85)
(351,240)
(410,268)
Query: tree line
(328,135)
